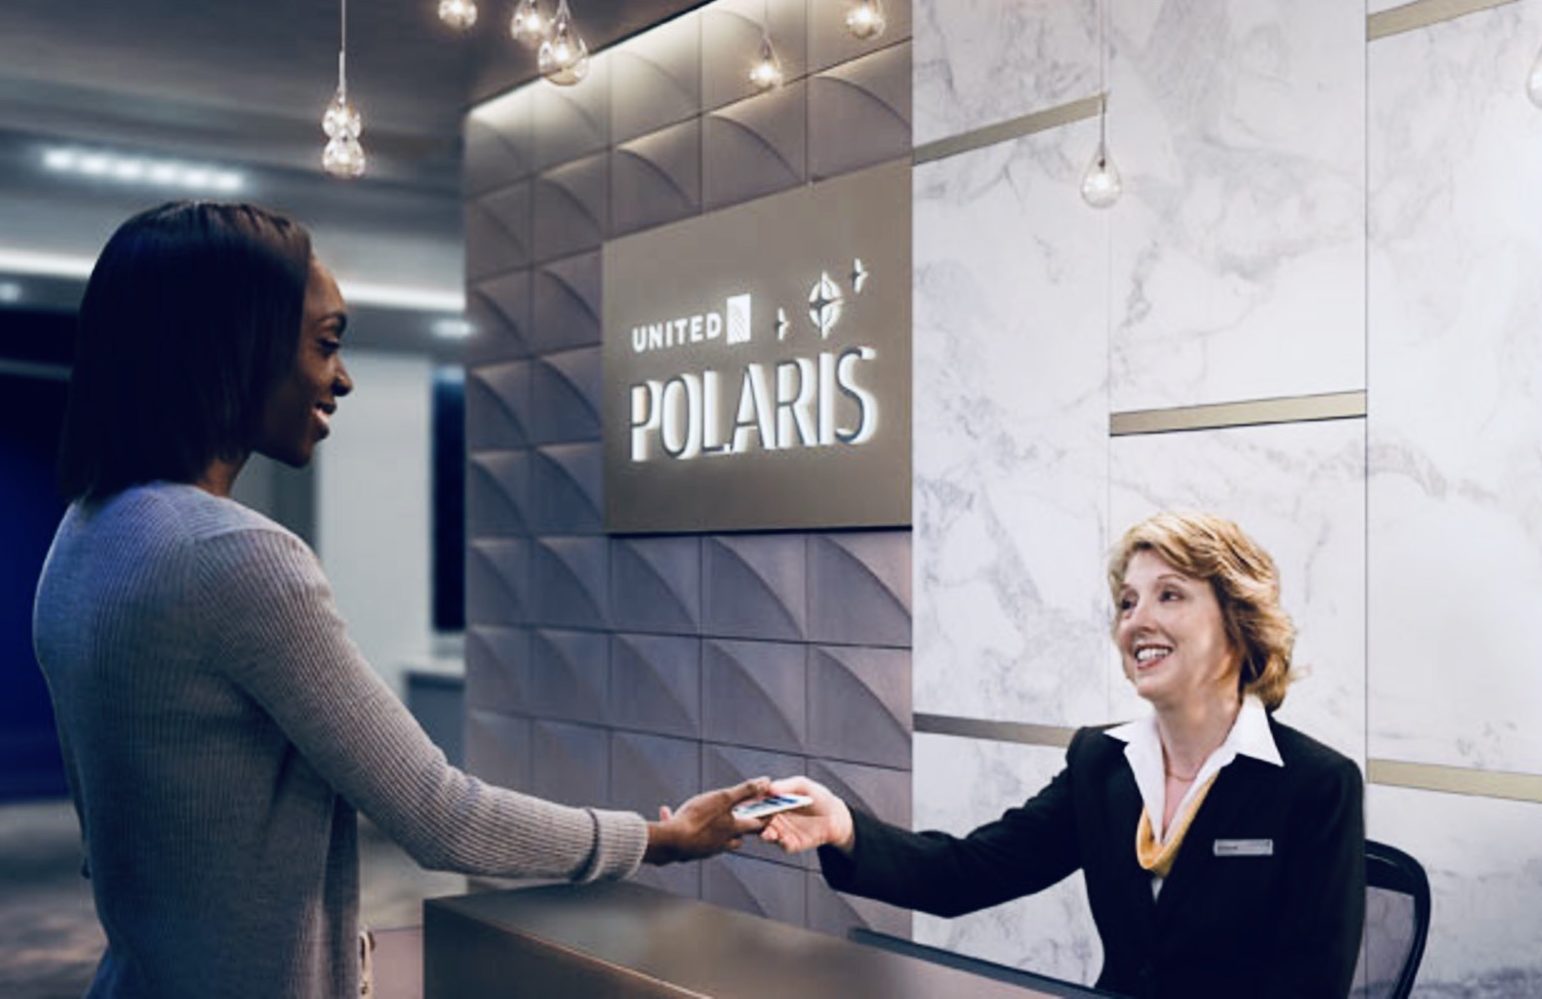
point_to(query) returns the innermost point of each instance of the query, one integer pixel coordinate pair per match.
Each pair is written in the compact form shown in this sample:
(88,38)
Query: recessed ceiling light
(142,170)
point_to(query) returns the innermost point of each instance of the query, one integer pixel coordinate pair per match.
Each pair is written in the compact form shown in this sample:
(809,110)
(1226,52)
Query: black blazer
(1285,924)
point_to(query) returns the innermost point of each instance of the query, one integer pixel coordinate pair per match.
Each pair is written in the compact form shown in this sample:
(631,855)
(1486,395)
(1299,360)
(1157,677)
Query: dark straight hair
(191,317)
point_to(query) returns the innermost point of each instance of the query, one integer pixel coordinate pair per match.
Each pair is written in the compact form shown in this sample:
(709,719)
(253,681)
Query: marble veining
(1010,434)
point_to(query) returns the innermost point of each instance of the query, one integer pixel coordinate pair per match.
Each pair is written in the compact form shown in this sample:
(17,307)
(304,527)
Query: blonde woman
(1223,851)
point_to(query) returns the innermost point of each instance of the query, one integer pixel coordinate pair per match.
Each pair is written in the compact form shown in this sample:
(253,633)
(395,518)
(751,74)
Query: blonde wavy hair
(1245,582)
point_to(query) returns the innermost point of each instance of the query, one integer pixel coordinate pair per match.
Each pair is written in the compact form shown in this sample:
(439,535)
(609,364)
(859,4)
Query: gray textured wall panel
(730,42)
(498,749)
(567,481)
(723,766)
(831,912)
(859,588)
(572,208)
(655,80)
(564,397)
(756,147)
(497,147)
(569,580)
(566,298)
(498,404)
(859,705)
(498,310)
(878,791)
(570,122)
(497,669)
(497,581)
(754,694)
(656,178)
(652,770)
(498,493)
(859,113)
(570,763)
(829,42)
(498,231)
(655,584)
(569,675)
(655,684)
(678,879)
(774,891)
(754,586)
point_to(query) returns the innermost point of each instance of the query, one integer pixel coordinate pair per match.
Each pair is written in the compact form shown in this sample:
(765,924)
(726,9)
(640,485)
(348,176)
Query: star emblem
(781,324)
(858,275)
(824,304)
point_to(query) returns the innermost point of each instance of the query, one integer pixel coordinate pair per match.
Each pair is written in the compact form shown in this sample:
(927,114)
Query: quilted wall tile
(655,79)
(498,231)
(566,484)
(569,675)
(831,912)
(497,581)
(569,579)
(859,705)
(655,684)
(499,141)
(725,766)
(569,763)
(651,770)
(730,39)
(878,791)
(655,584)
(498,493)
(755,586)
(572,208)
(677,879)
(572,122)
(773,891)
(829,42)
(497,669)
(498,310)
(656,178)
(498,406)
(859,588)
(566,304)
(753,694)
(859,113)
(755,147)
(564,397)
(498,749)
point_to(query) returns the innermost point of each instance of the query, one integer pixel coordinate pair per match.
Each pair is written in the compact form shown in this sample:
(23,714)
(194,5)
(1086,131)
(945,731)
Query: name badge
(1244,848)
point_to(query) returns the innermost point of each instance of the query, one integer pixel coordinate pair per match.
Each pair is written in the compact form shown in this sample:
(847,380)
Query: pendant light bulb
(343,156)
(1534,82)
(865,19)
(1101,185)
(529,23)
(458,14)
(563,58)
(766,73)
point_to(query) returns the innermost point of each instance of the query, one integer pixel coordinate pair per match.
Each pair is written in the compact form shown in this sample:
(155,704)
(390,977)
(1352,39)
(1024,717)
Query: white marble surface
(1483,857)
(1238,246)
(979,62)
(1455,348)
(1298,490)
(962,783)
(1010,434)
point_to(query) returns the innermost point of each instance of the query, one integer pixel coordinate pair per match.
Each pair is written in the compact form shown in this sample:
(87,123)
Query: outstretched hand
(826,822)
(704,825)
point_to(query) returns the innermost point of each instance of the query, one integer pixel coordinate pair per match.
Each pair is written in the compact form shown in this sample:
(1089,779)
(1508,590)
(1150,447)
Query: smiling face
(298,413)
(1171,634)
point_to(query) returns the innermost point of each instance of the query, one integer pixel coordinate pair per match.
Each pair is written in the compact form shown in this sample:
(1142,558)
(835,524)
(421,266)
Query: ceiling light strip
(1258,412)
(1422,14)
(62,265)
(1016,128)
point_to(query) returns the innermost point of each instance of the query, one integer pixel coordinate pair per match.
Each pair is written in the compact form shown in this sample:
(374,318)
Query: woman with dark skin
(219,728)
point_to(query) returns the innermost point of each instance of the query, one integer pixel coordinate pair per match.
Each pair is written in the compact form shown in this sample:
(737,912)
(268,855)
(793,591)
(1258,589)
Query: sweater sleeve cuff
(620,839)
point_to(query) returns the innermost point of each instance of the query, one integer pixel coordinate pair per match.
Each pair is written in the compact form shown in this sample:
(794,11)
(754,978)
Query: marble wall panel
(1484,861)
(859,113)
(1011,434)
(1456,404)
(655,684)
(1239,243)
(1299,491)
(977,64)
(963,783)
(656,584)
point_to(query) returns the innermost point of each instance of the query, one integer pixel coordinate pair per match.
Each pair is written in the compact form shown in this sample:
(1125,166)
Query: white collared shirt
(1249,736)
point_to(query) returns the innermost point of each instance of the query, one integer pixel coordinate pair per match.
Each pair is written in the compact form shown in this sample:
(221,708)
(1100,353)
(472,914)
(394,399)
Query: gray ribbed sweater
(220,729)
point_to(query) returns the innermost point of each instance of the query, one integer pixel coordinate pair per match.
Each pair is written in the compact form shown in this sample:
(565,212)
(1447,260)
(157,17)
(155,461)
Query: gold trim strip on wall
(994,731)
(1216,416)
(1422,14)
(1455,780)
(1028,124)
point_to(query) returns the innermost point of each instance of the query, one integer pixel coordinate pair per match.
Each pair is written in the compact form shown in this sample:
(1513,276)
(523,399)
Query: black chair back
(1397,921)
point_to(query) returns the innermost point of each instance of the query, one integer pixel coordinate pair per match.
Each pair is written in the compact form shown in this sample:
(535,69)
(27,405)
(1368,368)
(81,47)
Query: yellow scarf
(1158,857)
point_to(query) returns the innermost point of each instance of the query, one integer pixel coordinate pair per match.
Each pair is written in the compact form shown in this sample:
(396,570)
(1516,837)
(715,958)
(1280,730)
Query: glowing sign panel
(757,364)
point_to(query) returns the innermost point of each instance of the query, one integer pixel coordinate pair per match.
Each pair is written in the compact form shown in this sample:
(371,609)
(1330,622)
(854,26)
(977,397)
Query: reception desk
(625,940)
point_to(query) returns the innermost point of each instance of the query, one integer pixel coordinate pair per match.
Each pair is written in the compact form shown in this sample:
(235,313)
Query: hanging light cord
(1102,73)
(342,52)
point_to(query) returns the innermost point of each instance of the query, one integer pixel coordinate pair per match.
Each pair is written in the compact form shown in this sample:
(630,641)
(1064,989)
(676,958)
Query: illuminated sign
(757,364)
